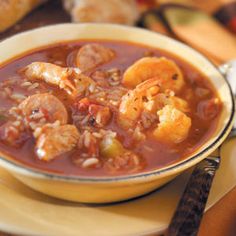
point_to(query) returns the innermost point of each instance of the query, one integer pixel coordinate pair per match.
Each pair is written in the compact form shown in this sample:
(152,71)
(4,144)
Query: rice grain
(90,162)
(26,84)
(87,139)
(33,86)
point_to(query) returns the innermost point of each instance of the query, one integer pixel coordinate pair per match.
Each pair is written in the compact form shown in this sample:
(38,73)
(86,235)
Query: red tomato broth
(126,54)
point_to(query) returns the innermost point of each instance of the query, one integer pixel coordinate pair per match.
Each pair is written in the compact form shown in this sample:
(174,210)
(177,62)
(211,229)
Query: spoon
(187,217)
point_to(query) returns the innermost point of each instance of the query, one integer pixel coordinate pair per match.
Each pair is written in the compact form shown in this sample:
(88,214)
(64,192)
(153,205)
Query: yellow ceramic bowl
(110,189)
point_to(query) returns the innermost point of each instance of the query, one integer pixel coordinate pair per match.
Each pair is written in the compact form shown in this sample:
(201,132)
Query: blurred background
(207,25)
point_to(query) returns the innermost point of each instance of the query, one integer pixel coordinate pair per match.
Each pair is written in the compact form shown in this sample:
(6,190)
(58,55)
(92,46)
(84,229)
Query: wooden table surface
(220,220)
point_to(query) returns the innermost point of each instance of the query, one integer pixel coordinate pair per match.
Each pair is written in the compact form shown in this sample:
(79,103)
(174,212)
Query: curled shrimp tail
(53,74)
(131,104)
(166,72)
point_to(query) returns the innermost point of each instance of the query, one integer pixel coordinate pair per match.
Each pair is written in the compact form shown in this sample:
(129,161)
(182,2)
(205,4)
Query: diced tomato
(93,149)
(83,104)
(101,114)
(93,109)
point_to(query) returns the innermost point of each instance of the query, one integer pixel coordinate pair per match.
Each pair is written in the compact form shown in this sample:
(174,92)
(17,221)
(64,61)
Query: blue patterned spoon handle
(188,215)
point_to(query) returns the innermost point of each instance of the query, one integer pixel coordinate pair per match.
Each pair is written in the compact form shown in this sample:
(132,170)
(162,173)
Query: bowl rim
(23,169)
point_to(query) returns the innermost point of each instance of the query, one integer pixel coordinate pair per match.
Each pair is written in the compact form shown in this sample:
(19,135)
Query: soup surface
(101,108)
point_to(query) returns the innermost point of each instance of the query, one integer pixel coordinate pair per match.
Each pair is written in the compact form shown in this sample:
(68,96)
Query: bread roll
(111,11)
(13,10)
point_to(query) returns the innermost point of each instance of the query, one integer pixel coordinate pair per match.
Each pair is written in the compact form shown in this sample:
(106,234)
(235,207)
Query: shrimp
(179,104)
(69,79)
(132,102)
(161,99)
(91,55)
(52,74)
(43,108)
(174,125)
(166,72)
(54,141)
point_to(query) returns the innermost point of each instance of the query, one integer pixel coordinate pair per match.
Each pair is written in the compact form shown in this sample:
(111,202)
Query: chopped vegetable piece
(111,147)
(3,117)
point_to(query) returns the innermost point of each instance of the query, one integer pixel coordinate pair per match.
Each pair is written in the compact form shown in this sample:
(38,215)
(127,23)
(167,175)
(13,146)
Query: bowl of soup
(100,113)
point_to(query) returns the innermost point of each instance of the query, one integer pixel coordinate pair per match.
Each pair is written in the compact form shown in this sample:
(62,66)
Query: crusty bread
(112,11)
(13,10)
